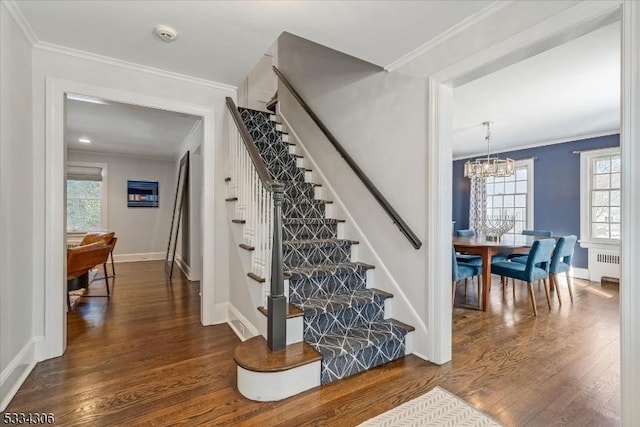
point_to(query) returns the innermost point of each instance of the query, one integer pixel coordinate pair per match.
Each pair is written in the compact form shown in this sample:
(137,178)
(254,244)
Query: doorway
(54,340)
(131,153)
(439,165)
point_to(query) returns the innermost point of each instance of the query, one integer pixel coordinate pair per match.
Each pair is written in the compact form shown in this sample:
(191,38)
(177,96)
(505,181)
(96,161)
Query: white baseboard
(240,325)
(220,313)
(14,375)
(227,313)
(148,256)
(580,273)
(184,267)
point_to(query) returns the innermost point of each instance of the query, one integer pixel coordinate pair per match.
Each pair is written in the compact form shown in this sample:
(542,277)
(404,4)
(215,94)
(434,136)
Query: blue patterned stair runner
(343,319)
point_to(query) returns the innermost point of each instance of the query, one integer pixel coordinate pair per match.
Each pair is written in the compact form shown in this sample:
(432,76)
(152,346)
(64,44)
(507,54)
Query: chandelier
(489,166)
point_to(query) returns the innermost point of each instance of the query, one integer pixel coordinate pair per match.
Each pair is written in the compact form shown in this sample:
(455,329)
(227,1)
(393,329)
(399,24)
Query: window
(513,195)
(600,195)
(86,197)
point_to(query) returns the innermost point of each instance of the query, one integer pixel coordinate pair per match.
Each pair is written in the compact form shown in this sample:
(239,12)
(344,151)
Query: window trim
(529,164)
(103,199)
(586,159)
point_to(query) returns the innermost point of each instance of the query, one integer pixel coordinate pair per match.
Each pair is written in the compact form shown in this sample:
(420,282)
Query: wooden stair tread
(254,355)
(246,247)
(292,311)
(402,325)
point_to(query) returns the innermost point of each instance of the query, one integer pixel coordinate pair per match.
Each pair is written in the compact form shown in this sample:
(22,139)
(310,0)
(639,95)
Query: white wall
(380,119)
(189,249)
(117,78)
(16,208)
(142,233)
(259,86)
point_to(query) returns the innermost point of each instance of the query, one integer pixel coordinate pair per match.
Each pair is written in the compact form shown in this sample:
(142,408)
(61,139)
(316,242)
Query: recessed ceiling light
(166,33)
(85,98)
(84,140)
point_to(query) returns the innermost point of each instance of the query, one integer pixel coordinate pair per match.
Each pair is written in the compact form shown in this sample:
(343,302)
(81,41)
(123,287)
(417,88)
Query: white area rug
(435,408)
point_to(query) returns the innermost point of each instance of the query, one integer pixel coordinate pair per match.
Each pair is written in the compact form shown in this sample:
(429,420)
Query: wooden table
(480,246)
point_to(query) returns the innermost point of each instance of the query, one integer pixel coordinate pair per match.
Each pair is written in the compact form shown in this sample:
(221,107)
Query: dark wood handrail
(397,219)
(257,161)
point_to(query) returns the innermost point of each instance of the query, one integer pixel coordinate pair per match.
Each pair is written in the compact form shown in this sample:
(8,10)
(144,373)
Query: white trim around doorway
(54,341)
(438,122)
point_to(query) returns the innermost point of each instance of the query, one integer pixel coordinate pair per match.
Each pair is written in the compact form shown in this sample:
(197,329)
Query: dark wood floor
(142,358)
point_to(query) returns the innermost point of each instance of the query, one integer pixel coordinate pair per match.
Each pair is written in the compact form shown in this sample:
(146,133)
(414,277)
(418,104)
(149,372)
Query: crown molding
(81,54)
(463,25)
(134,155)
(16,14)
(574,138)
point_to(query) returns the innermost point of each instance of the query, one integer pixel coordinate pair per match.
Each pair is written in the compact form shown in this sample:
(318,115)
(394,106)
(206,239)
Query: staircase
(344,320)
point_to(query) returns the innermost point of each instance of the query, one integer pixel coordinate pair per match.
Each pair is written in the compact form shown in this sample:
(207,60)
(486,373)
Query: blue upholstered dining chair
(561,262)
(467,258)
(536,268)
(461,270)
(465,232)
(537,233)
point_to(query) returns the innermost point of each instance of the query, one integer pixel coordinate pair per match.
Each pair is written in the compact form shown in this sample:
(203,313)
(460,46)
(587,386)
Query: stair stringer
(400,307)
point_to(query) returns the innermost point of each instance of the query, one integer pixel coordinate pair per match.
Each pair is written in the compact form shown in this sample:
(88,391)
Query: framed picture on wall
(142,194)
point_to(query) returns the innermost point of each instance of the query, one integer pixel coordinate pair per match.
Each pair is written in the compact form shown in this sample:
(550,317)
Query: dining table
(487,248)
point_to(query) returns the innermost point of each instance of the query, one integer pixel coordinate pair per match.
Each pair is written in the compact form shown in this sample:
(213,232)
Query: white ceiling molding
(542,144)
(17,15)
(125,155)
(580,13)
(63,50)
(450,33)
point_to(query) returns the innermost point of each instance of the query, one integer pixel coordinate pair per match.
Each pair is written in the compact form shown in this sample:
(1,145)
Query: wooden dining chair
(82,259)
(536,268)
(108,237)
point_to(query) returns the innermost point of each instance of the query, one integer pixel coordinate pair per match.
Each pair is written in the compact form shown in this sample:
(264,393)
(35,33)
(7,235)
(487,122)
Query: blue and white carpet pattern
(343,319)
(326,280)
(310,229)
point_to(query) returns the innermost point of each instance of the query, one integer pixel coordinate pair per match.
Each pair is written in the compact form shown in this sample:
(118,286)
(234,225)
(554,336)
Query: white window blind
(86,197)
(84,173)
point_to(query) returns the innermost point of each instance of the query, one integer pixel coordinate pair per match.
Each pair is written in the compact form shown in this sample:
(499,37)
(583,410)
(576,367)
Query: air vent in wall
(608,258)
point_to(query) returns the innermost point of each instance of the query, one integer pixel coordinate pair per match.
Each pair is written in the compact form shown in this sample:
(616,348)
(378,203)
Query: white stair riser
(272,386)
(295,328)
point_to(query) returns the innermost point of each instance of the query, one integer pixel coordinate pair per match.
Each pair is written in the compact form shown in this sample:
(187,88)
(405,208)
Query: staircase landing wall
(380,119)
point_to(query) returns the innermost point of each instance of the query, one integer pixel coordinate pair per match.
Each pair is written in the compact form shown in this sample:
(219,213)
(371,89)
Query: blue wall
(556,188)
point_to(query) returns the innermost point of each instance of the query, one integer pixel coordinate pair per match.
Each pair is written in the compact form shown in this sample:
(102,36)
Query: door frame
(54,340)
(554,31)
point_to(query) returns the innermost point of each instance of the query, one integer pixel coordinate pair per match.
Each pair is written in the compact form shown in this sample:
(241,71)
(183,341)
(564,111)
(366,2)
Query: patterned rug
(436,408)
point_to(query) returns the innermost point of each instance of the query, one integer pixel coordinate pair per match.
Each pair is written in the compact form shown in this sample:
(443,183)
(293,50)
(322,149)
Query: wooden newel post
(277,302)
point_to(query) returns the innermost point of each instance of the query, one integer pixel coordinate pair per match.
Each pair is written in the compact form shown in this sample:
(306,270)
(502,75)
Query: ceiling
(126,129)
(218,41)
(560,95)
(222,40)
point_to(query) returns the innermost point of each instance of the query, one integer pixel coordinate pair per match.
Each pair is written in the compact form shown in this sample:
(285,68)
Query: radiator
(604,263)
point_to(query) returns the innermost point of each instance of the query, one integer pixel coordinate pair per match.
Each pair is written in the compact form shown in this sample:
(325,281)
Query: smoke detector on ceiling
(165,33)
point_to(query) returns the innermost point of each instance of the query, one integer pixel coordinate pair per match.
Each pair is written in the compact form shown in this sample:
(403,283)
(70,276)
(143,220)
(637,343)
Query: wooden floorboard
(141,357)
